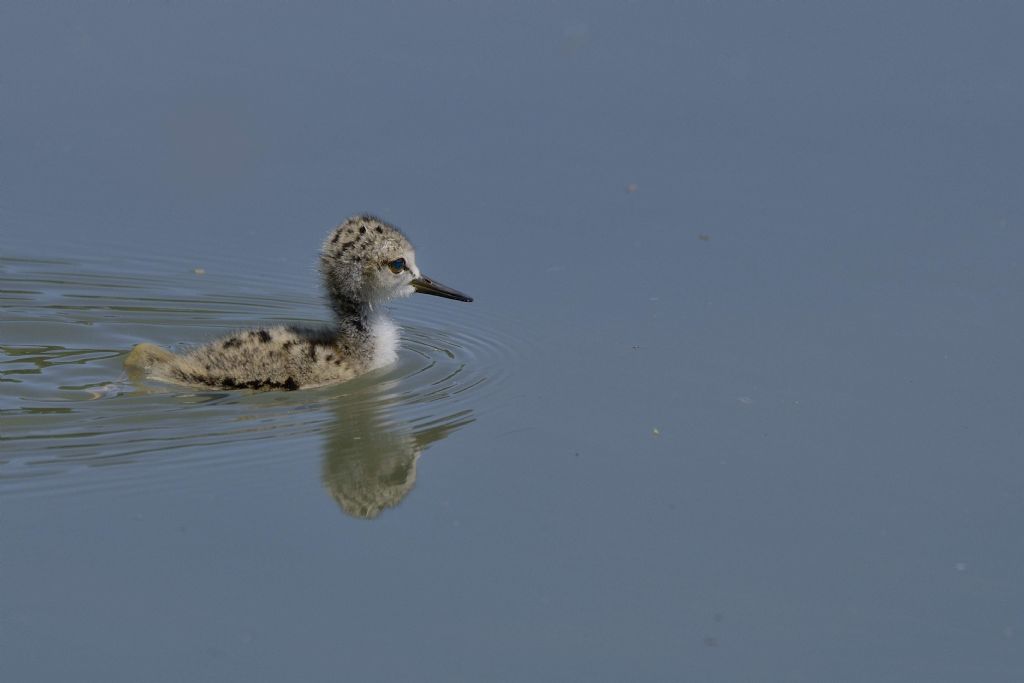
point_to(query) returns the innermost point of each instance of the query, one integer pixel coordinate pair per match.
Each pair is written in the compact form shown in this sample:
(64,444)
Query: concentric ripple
(70,419)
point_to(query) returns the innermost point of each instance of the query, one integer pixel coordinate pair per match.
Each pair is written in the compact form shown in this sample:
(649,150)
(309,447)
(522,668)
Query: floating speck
(632,187)
(199,271)
(656,432)
(576,38)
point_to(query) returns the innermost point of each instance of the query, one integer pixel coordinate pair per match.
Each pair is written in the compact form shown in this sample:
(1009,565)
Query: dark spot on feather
(380,230)
(264,336)
(346,245)
(256,384)
(233,342)
(362,229)
(337,236)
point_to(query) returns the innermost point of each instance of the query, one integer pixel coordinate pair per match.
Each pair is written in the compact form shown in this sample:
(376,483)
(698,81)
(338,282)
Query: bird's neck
(353,317)
(365,331)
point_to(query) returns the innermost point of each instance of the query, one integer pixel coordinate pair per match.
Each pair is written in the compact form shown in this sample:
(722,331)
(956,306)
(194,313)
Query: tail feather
(145,356)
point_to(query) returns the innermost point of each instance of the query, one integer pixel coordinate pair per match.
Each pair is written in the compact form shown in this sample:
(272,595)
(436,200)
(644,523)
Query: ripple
(71,420)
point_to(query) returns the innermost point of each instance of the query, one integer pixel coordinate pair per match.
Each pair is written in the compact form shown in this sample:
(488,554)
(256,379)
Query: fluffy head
(365,261)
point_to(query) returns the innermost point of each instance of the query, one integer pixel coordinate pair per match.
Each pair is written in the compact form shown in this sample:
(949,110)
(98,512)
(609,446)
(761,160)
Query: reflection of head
(370,460)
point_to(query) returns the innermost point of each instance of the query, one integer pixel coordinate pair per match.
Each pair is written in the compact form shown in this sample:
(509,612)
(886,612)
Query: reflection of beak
(424,285)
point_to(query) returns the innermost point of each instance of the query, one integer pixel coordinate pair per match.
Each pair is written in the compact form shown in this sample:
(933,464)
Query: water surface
(738,397)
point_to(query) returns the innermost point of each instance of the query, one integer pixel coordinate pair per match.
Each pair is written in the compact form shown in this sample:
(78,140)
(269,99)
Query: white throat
(385,339)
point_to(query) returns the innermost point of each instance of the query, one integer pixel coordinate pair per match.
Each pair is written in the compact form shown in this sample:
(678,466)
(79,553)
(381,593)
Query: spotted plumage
(362,338)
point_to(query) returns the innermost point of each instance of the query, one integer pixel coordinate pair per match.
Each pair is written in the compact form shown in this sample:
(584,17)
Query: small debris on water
(576,37)
(960,566)
(199,271)
(704,237)
(656,432)
(632,187)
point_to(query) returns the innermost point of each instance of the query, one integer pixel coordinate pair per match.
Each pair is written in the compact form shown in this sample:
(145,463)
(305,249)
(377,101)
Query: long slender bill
(424,285)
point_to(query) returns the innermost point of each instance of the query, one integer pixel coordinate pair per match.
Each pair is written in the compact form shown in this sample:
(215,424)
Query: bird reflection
(370,456)
(373,439)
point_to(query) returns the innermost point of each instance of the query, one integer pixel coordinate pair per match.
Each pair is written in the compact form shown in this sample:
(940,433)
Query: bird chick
(364,262)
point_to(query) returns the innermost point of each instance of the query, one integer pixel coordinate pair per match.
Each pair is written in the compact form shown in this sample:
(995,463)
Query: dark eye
(397,266)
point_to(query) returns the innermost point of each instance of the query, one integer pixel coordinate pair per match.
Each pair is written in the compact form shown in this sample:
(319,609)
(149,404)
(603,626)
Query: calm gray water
(739,398)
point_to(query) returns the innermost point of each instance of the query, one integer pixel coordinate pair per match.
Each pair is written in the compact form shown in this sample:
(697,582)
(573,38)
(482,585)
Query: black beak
(424,285)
